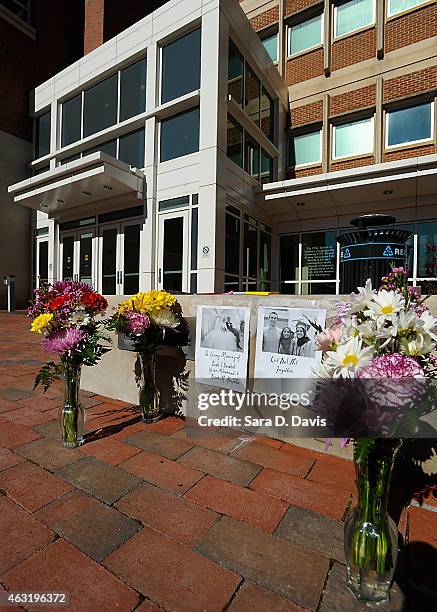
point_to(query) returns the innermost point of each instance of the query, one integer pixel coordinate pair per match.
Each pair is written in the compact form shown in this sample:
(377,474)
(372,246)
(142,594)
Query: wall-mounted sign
(391,251)
(318,261)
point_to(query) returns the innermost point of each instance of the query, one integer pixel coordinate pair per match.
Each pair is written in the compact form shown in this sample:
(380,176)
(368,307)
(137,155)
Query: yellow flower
(41,322)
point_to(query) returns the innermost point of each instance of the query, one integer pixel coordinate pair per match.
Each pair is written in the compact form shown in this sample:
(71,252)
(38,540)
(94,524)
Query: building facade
(221,146)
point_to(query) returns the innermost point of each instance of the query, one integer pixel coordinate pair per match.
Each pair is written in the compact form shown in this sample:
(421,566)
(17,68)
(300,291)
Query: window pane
(319,256)
(427,250)
(110,148)
(397,6)
(409,124)
(100,106)
(43,262)
(305,35)
(173,254)
(181,66)
(249,251)
(271,46)
(67,257)
(353,138)
(133,90)
(180,135)
(267,115)
(318,289)
(131,148)
(353,15)
(232,246)
(71,111)
(109,260)
(235,142)
(265,248)
(131,261)
(42,135)
(194,237)
(305,149)
(251,157)
(86,258)
(235,74)
(289,253)
(252,96)
(266,167)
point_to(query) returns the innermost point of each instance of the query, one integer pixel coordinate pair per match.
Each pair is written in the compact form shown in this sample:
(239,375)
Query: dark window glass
(100,106)
(267,115)
(86,258)
(235,74)
(289,253)
(252,95)
(42,144)
(173,203)
(125,213)
(173,254)
(427,250)
(131,149)
(410,124)
(318,289)
(131,259)
(249,251)
(181,66)
(67,257)
(109,259)
(265,252)
(194,237)
(288,288)
(319,256)
(110,148)
(235,142)
(193,282)
(251,157)
(43,261)
(180,135)
(70,158)
(41,170)
(71,118)
(21,8)
(232,245)
(133,90)
(232,283)
(266,167)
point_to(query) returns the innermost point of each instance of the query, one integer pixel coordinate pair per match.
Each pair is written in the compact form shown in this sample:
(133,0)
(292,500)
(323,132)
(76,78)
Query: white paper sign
(222,346)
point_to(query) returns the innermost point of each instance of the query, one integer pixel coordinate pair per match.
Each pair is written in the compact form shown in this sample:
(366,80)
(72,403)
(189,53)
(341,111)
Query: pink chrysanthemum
(64,340)
(137,323)
(395,365)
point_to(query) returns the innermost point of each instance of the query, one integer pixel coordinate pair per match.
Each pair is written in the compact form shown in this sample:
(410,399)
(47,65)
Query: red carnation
(60,302)
(94,301)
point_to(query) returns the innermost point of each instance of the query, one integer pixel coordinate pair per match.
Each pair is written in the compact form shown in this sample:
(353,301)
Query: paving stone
(166,572)
(109,450)
(264,441)
(93,527)
(20,534)
(171,515)
(159,444)
(149,606)
(273,458)
(61,568)
(162,472)
(48,453)
(303,493)
(222,466)
(30,416)
(9,459)
(253,597)
(313,531)
(39,403)
(337,598)
(220,440)
(289,570)
(6,405)
(167,426)
(14,394)
(339,473)
(127,430)
(31,486)
(4,594)
(49,430)
(14,434)
(104,481)
(254,508)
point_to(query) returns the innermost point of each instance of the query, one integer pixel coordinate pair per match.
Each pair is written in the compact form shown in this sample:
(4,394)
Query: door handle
(159,275)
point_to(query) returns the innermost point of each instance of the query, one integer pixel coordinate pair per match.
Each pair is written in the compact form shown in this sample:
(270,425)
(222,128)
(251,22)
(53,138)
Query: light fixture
(107,187)
(86,193)
(44,205)
(387,191)
(59,201)
(300,204)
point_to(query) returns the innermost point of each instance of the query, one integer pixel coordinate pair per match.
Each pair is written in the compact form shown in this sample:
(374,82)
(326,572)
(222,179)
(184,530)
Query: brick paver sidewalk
(168,516)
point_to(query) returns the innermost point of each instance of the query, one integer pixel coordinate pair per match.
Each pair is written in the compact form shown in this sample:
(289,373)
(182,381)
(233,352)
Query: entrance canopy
(97,176)
(349,191)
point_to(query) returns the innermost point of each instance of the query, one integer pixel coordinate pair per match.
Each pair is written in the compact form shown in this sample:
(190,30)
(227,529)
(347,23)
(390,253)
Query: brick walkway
(169,517)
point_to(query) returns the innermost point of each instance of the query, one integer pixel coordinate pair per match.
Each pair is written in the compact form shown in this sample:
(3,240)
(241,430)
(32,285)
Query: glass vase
(370,535)
(149,394)
(71,416)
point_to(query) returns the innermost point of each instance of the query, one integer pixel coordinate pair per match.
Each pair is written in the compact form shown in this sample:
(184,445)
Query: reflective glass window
(180,135)
(133,90)
(100,106)
(271,46)
(42,144)
(235,142)
(131,148)
(181,66)
(235,74)
(305,35)
(354,138)
(306,148)
(409,124)
(353,15)
(71,120)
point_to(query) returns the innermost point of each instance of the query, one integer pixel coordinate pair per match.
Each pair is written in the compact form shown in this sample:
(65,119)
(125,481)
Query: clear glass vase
(149,394)
(370,535)
(72,415)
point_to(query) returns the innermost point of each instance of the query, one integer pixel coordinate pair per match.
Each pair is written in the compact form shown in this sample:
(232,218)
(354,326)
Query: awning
(376,188)
(95,177)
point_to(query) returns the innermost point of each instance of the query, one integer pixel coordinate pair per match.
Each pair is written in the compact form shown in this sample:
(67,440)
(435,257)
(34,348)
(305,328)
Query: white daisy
(384,304)
(348,358)
(360,300)
(429,325)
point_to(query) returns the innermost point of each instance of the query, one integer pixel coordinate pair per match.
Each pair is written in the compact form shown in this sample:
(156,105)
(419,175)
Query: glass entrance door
(42,262)
(173,252)
(77,256)
(120,258)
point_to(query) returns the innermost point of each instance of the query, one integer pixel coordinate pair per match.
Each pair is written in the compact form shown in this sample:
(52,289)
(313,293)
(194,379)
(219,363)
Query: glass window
(353,138)
(265,251)
(235,142)
(250,250)
(251,156)
(289,253)
(181,66)
(305,35)
(319,256)
(271,46)
(306,148)
(131,148)
(42,144)
(235,74)
(353,15)
(267,115)
(398,6)
(100,106)
(410,124)
(427,250)
(20,8)
(180,135)
(131,259)
(71,120)
(266,175)
(232,245)
(252,95)
(110,148)
(133,90)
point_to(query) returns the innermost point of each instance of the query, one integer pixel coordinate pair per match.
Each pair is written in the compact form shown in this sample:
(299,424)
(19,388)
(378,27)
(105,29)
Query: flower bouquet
(150,320)
(64,313)
(380,348)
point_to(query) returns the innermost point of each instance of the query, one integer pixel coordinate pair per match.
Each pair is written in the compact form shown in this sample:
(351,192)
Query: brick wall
(410,84)
(306,172)
(353,100)
(294,6)
(304,67)
(265,19)
(307,114)
(94,25)
(411,152)
(351,163)
(353,49)
(410,28)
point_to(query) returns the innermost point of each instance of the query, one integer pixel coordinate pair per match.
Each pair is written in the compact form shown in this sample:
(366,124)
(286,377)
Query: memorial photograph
(289,334)
(223,329)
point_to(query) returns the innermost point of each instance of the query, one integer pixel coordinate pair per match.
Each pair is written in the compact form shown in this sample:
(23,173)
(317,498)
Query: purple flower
(137,323)
(64,340)
(394,365)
